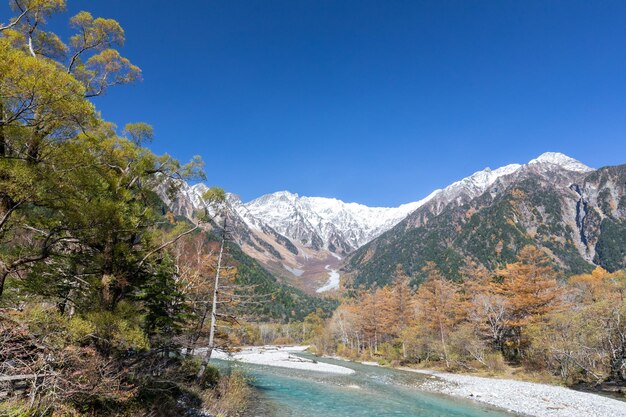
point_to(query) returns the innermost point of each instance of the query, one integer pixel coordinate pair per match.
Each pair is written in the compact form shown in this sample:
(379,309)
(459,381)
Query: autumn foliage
(524,314)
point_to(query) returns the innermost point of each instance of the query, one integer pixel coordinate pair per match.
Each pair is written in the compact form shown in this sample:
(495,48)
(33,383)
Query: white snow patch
(333,280)
(336,256)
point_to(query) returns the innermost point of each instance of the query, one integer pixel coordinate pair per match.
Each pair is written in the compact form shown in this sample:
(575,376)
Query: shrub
(389,352)
(119,330)
(79,330)
(16,409)
(495,362)
(211,377)
(189,368)
(283,341)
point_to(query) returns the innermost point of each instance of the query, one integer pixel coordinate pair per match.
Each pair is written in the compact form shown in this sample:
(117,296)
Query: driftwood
(22,377)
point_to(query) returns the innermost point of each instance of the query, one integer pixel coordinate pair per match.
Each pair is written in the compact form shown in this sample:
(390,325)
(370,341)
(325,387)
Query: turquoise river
(370,392)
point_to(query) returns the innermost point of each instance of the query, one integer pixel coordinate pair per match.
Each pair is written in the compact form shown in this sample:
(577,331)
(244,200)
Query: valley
(150,271)
(554,201)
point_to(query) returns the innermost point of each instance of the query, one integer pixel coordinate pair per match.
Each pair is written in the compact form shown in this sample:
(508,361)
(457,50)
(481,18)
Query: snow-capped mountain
(308,236)
(560,160)
(470,187)
(575,214)
(323,223)
(302,239)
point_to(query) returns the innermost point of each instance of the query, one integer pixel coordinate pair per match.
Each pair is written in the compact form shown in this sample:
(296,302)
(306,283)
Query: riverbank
(280,356)
(526,398)
(520,397)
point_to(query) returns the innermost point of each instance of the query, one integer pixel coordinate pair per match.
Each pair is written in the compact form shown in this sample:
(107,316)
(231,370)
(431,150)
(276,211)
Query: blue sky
(377,102)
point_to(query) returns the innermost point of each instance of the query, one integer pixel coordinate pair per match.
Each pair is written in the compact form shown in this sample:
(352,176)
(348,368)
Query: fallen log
(22,377)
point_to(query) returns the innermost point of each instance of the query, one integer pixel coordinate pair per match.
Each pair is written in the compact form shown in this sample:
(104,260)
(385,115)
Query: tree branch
(166,244)
(15,22)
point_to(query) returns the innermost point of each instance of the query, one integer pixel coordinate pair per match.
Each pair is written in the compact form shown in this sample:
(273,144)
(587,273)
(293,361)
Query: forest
(524,319)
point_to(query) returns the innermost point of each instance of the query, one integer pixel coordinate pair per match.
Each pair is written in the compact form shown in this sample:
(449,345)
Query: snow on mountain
(563,161)
(302,235)
(477,183)
(339,227)
(324,222)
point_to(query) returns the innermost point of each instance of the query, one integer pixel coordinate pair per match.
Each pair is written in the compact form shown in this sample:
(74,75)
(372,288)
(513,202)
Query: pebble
(526,398)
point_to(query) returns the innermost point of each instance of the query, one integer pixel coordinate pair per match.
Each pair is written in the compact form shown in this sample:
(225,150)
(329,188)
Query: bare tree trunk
(445,347)
(211,346)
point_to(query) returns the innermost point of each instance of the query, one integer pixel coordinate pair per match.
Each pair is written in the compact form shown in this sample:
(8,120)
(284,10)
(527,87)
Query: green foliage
(17,409)
(210,378)
(139,133)
(163,302)
(120,330)
(84,238)
(611,246)
(189,368)
(214,195)
(80,330)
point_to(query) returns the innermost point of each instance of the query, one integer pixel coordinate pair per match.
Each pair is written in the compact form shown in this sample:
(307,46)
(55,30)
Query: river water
(369,392)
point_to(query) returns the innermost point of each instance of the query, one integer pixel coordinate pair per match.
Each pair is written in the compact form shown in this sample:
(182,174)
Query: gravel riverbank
(280,356)
(525,398)
(522,398)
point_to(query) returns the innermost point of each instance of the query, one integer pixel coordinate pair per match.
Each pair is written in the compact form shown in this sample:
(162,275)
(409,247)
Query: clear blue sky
(377,102)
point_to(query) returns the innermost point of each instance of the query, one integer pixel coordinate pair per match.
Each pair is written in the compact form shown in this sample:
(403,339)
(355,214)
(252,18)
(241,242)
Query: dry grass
(230,398)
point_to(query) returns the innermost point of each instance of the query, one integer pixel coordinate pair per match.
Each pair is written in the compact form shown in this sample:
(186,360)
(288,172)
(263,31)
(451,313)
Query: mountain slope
(553,201)
(301,240)
(557,203)
(271,300)
(324,222)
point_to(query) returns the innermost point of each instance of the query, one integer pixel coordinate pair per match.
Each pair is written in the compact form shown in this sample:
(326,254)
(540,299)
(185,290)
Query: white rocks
(280,356)
(526,398)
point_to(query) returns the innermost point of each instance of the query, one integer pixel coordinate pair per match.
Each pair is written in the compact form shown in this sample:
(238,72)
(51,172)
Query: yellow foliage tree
(531,291)
(439,306)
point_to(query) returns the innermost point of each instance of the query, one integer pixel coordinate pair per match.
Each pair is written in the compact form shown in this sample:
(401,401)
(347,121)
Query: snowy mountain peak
(284,194)
(338,227)
(325,222)
(562,160)
(479,181)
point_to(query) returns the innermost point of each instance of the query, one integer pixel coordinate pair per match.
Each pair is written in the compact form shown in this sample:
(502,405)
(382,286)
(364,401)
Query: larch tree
(402,307)
(531,291)
(487,307)
(438,306)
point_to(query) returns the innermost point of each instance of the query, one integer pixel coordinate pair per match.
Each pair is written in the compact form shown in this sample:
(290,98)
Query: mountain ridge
(574,213)
(304,240)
